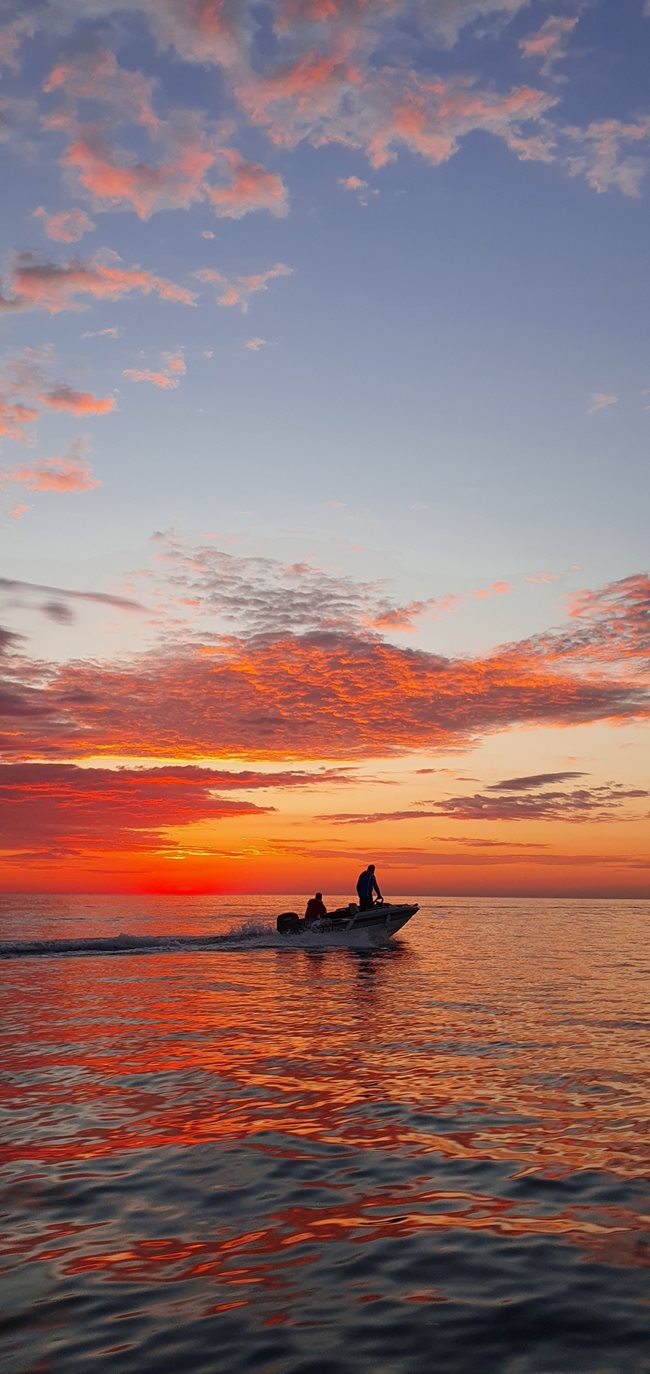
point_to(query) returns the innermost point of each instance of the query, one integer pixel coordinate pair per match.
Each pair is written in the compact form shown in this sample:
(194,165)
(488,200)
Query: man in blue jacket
(366,885)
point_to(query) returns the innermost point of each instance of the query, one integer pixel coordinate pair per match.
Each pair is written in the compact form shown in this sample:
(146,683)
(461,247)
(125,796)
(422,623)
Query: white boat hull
(374,926)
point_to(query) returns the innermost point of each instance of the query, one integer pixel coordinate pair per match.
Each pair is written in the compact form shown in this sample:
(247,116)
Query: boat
(377,924)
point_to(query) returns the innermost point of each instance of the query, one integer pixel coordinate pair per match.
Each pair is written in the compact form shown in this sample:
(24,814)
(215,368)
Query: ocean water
(250,1156)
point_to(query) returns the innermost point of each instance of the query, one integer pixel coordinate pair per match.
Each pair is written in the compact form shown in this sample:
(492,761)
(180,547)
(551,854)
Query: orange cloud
(610,625)
(67,810)
(316,695)
(68,226)
(302,676)
(55,287)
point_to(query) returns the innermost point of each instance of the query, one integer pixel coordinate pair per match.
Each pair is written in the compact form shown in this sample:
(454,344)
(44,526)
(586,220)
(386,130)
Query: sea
(239,1153)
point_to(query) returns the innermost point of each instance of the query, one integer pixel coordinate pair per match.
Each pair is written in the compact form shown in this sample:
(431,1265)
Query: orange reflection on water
(224,1125)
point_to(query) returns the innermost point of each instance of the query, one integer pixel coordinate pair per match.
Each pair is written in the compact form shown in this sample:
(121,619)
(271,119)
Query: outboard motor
(288,923)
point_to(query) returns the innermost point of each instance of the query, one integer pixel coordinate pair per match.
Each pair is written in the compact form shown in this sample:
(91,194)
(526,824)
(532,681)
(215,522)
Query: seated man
(315,908)
(366,885)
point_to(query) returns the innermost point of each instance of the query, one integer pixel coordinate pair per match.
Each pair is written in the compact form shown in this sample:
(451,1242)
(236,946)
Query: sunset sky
(324,414)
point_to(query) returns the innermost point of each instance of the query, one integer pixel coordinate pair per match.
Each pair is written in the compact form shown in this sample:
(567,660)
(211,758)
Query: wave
(251,935)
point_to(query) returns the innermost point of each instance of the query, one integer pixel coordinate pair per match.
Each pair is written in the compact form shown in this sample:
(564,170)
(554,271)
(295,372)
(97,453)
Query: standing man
(366,885)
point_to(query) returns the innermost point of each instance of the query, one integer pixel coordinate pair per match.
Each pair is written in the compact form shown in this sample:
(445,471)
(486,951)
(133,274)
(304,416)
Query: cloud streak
(12,586)
(36,284)
(239,291)
(166,377)
(604,803)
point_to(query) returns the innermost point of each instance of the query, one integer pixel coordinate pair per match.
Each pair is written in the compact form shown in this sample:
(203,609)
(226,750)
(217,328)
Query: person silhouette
(366,885)
(315,908)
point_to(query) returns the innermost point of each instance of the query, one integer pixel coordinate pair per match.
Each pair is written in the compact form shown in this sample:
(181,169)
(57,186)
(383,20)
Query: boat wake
(250,935)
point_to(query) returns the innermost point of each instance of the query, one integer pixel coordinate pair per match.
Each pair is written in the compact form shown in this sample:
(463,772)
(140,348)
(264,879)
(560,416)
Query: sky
(324,413)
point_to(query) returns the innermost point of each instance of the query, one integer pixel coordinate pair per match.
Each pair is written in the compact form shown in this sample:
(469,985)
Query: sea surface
(244,1155)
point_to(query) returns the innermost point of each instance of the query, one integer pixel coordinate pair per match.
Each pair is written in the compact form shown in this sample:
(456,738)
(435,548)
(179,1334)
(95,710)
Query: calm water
(424,1158)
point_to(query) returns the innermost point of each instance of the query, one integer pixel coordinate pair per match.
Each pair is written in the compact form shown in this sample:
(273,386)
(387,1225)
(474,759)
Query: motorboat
(376,924)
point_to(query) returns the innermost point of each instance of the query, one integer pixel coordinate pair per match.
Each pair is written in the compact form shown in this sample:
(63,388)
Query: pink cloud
(601,400)
(26,390)
(175,362)
(66,474)
(251,188)
(165,377)
(254,345)
(362,188)
(145,374)
(338,96)
(11,38)
(550,42)
(238,292)
(353,183)
(496,589)
(185,147)
(403,617)
(15,419)
(296,100)
(203,31)
(18,511)
(112,332)
(99,77)
(175,183)
(54,287)
(76,402)
(607,153)
(431,117)
(68,226)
